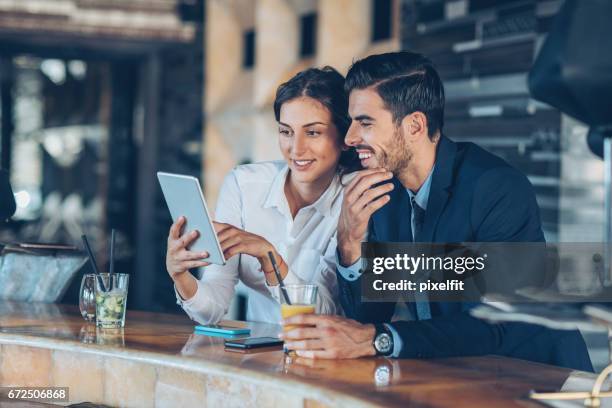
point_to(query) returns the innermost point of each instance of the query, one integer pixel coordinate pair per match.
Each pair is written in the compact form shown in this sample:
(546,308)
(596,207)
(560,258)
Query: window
(308,35)
(381,19)
(248,51)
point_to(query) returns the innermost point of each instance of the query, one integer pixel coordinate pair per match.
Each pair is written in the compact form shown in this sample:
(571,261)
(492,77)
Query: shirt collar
(276,194)
(422,196)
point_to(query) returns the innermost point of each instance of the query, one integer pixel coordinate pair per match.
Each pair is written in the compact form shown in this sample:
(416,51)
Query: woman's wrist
(270,274)
(185,284)
(264,258)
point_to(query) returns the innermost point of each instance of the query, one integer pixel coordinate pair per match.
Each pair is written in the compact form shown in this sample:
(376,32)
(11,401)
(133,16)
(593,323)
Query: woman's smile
(302,165)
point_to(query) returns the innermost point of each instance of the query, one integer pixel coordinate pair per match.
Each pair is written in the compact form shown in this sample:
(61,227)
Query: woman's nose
(299,146)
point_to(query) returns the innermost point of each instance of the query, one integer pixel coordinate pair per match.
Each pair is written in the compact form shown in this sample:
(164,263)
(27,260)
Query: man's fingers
(316,354)
(360,175)
(371,195)
(310,344)
(375,205)
(299,333)
(306,319)
(365,183)
(175,229)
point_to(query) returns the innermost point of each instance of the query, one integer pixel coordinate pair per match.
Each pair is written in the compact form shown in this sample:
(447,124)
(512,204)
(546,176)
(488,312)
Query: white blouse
(252,198)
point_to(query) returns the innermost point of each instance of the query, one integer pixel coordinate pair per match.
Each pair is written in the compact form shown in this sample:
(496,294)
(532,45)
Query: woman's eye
(313,133)
(283,132)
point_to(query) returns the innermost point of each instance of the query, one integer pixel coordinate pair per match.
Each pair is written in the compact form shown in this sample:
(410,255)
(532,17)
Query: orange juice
(292,310)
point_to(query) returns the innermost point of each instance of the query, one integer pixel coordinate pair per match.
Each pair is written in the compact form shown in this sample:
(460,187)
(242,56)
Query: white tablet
(184,198)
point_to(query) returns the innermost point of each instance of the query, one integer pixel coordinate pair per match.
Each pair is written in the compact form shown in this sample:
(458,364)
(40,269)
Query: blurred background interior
(98,95)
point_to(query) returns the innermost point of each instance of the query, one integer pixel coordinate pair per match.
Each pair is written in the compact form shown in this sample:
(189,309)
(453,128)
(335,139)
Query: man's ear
(415,125)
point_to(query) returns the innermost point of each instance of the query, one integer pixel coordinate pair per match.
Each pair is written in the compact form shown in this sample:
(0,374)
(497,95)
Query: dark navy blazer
(474,197)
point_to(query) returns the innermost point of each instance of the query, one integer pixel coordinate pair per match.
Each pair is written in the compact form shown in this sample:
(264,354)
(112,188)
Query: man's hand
(178,258)
(359,203)
(330,337)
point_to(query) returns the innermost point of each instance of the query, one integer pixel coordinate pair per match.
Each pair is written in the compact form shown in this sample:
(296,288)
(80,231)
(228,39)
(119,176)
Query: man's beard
(398,155)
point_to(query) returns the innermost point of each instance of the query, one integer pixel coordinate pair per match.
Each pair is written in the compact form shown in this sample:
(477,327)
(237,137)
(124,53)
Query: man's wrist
(368,346)
(349,253)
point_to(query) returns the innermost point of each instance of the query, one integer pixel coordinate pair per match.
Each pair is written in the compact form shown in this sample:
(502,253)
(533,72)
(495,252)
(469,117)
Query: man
(420,186)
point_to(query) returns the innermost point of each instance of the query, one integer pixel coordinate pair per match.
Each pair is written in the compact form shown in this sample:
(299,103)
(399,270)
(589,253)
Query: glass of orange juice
(303,299)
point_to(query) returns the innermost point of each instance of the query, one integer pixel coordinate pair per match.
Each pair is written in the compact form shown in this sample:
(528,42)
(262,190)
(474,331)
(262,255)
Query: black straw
(92,259)
(278,278)
(112,252)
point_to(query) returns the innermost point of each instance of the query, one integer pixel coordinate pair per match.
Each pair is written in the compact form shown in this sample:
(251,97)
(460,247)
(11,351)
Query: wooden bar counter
(157,361)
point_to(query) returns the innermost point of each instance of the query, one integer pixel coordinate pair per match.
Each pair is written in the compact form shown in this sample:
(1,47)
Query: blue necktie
(422,302)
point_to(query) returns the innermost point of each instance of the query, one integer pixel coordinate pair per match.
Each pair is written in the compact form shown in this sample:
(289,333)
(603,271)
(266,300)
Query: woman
(288,207)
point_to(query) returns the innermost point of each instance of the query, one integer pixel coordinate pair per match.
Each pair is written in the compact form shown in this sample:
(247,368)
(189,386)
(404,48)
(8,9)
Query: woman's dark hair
(326,85)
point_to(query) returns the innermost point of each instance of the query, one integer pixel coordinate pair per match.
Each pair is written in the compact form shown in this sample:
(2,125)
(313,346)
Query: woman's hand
(235,241)
(178,258)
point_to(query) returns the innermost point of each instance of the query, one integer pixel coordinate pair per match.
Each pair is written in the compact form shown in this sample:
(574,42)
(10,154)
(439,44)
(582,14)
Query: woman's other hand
(235,241)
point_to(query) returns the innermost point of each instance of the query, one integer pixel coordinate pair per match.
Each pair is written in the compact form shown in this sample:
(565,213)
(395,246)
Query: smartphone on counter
(253,342)
(222,330)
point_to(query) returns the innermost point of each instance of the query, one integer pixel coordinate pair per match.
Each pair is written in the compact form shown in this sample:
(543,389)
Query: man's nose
(352,136)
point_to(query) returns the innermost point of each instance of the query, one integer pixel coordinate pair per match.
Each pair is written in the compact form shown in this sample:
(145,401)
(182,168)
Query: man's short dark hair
(406,81)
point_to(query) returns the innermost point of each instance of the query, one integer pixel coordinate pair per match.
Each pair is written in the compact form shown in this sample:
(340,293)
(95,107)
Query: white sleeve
(325,279)
(217,282)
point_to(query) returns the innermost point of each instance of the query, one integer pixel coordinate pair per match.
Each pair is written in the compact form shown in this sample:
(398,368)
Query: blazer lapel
(439,192)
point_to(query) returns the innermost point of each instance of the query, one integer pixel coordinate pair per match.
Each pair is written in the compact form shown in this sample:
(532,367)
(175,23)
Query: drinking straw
(112,252)
(278,278)
(92,259)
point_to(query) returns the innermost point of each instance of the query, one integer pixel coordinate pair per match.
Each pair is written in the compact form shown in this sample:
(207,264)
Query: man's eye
(365,124)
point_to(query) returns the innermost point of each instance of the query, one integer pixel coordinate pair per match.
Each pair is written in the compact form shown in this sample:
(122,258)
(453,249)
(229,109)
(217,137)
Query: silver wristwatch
(383,340)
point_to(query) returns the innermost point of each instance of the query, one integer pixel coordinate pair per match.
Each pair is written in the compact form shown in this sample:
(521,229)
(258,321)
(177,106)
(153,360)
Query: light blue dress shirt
(353,272)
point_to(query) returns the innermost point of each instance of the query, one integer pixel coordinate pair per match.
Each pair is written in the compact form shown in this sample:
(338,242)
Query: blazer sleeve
(504,208)
(461,335)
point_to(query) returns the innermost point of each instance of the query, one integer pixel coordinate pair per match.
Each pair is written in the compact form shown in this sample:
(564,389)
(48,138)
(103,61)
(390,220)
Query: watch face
(383,343)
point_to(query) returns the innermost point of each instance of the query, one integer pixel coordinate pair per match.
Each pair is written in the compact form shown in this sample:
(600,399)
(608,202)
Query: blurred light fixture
(55,70)
(23,199)
(486,111)
(77,68)
(64,144)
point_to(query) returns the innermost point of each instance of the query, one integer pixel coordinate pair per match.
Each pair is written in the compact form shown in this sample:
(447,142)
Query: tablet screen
(184,198)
